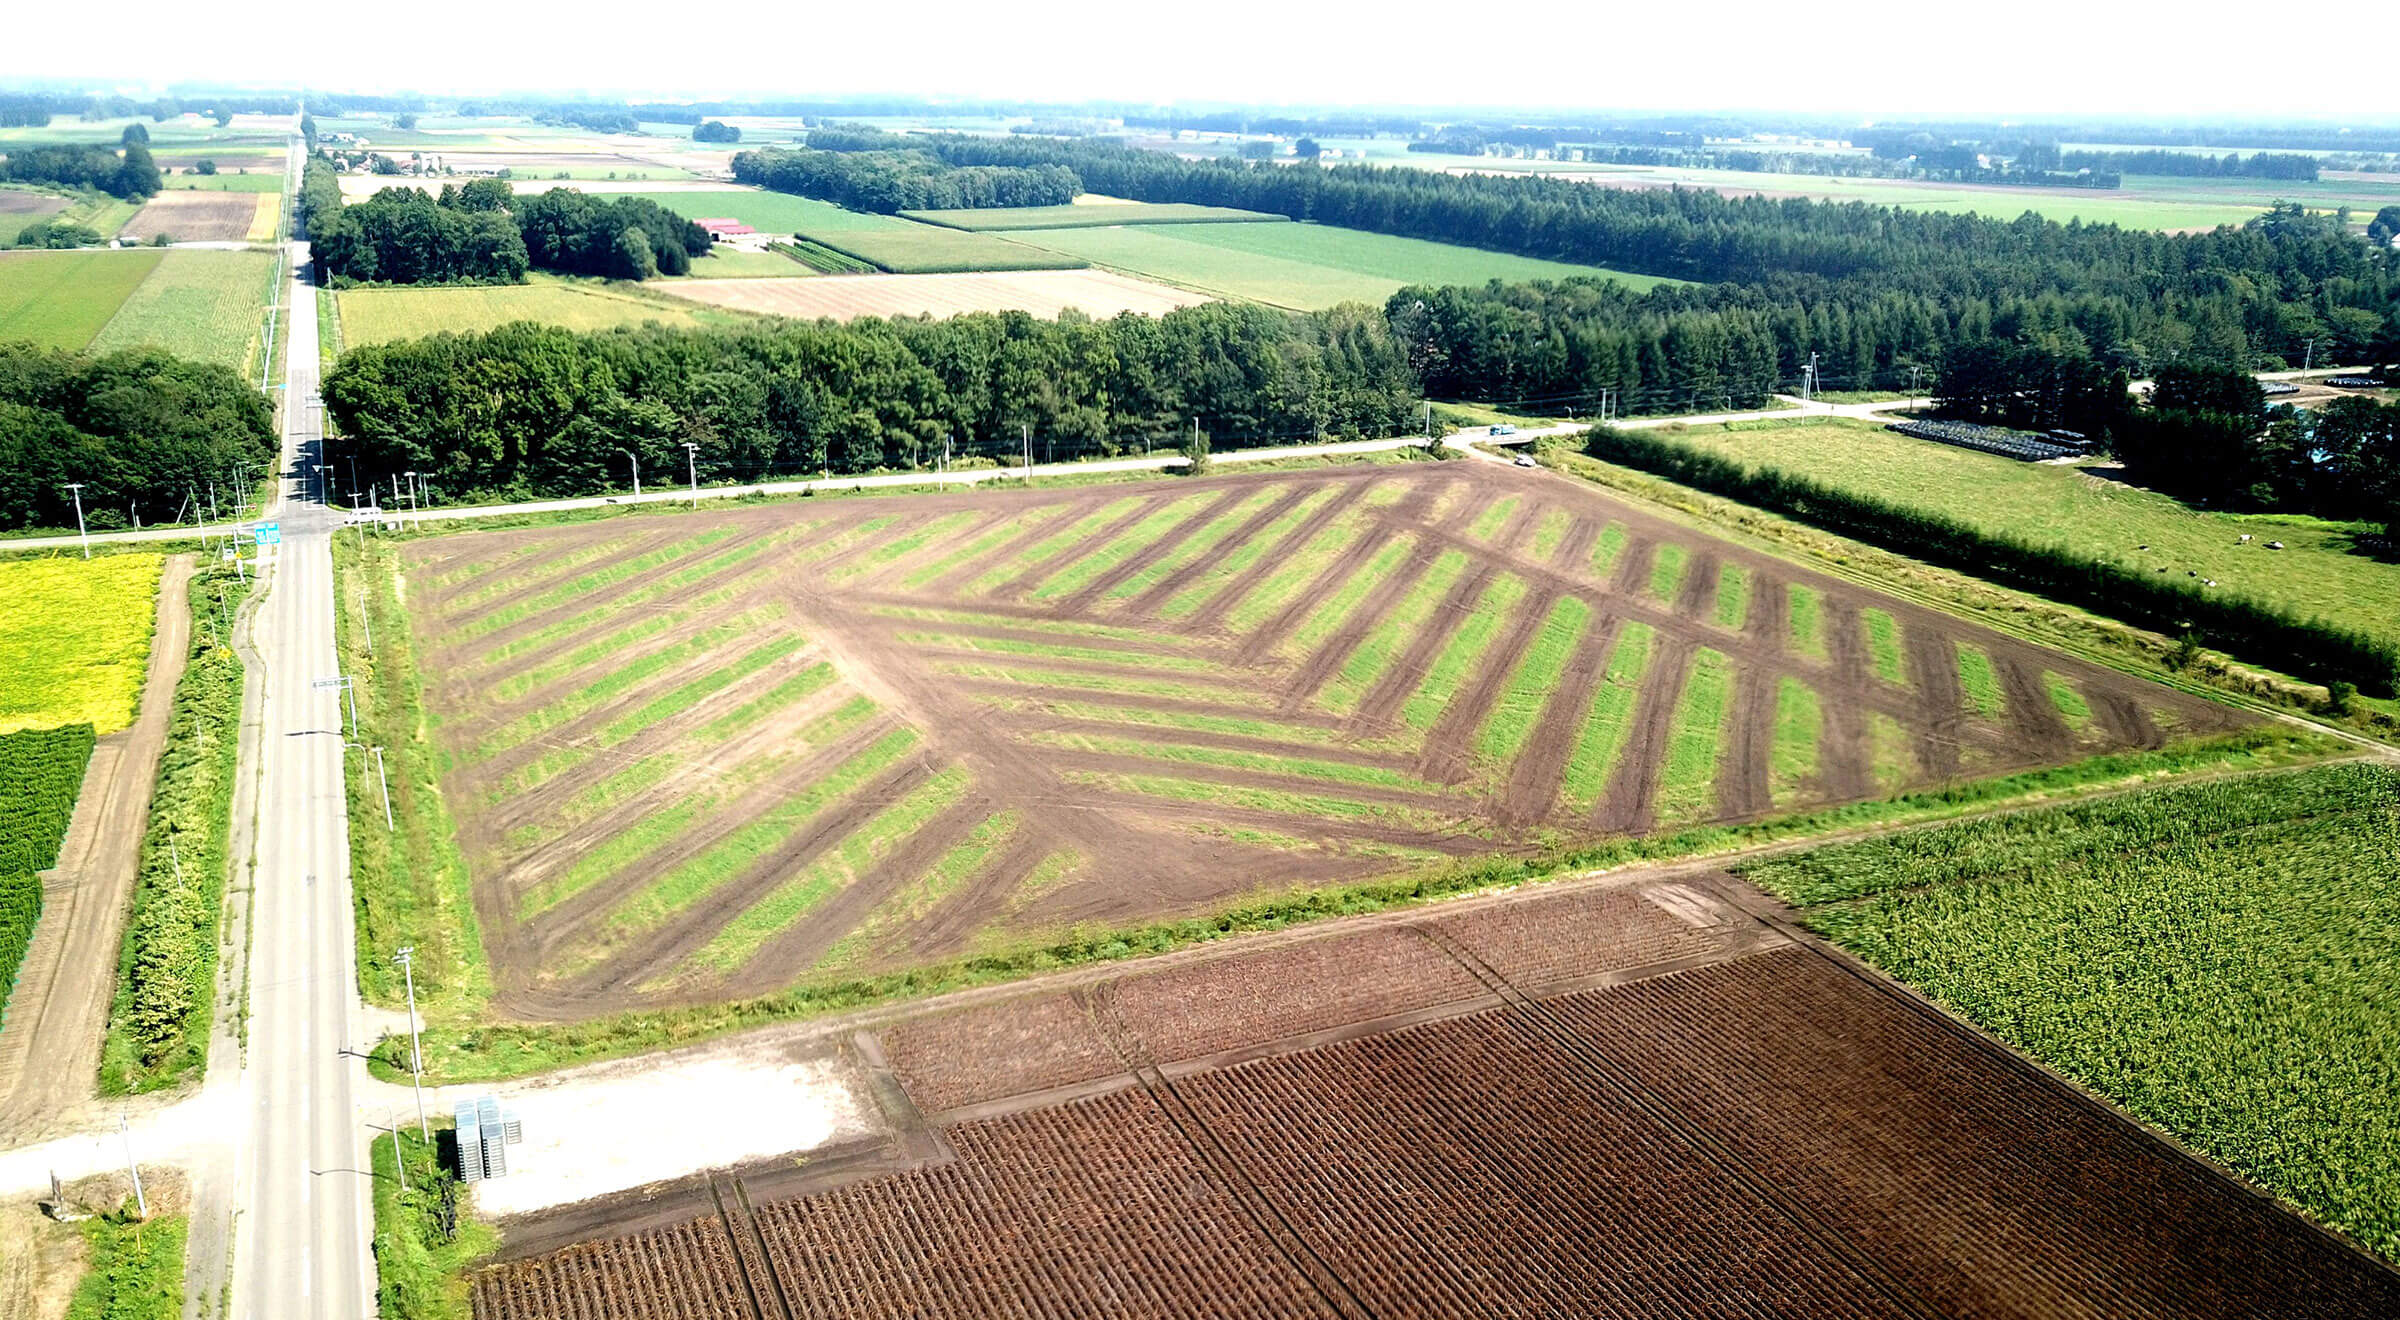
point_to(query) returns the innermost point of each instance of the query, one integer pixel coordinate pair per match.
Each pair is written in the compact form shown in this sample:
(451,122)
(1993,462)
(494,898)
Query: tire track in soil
(492,713)
(660,950)
(1029,722)
(1137,701)
(1172,585)
(1699,589)
(2120,717)
(1940,730)
(508,760)
(1217,1163)
(933,550)
(1080,603)
(1380,711)
(1067,556)
(744,1243)
(1163,647)
(2031,713)
(1630,800)
(903,524)
(955,920)
(1449,753)
(1210,617)
(1336,650)
(1763,628)
(1068,513)
(1353,559)
(1745,765)
(1373,794)
(801,945)
(1534,781)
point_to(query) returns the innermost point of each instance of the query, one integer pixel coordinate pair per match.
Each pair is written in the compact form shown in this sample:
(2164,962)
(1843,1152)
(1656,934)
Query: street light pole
(691,463)
(386,781)
(141,1202)
(406,957)
(637,472)
(76,488)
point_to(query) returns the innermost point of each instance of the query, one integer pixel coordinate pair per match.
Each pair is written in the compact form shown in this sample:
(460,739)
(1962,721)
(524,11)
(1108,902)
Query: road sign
(267,534)
(339,681)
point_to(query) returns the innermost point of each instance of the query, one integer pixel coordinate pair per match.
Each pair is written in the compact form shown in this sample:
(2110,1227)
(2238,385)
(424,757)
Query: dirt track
(1636,1096)
(1132,682)
(50,1049)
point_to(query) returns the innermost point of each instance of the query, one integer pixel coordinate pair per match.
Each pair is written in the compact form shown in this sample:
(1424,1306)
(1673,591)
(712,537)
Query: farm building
(720,227)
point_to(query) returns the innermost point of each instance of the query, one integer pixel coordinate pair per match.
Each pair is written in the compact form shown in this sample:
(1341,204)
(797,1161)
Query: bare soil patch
(193,217)
(1044,293)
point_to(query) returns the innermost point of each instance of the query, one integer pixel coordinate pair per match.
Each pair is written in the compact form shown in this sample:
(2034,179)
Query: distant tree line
(887,181)
(531,410)
(131,175)
(483,233)
(2196,165)
(715,131)
(2210,436)
(139,430)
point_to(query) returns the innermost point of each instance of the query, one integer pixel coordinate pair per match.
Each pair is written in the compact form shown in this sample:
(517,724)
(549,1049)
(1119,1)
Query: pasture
(1043,293)
(1083,215)
(75,640)
(376,316)
(707,756)
(1299,266)
(63,299)
(2319,571)
(205,305)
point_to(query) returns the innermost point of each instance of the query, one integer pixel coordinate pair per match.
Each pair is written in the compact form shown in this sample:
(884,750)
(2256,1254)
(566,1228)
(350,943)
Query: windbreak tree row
(483,233)
(140,431)
(527,410)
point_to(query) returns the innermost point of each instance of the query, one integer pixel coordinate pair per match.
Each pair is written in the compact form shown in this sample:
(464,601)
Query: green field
(75,640)
(62,299)
(199,304)
(256,181)
(2222,960)
(1091,216)
(376,316)
(2316,573)
(901,246)
(1299,266)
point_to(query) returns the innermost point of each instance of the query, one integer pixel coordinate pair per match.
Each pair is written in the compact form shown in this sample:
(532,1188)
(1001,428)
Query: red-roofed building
(720,227)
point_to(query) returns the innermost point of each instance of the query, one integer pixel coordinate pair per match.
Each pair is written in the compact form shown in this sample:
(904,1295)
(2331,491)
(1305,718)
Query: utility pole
(1808,381)
(141,1202)
(416,1055)
(386,781)
(412,492)
(425,495)
(355,506)
(1026,430)
(691,462)
(637,472)
(2310,359)
(399,1157)
(75,488)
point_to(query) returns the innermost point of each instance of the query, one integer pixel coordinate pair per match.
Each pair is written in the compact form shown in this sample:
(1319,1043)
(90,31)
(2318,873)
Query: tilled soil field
(191,217)
(1708,1118)
(714,754)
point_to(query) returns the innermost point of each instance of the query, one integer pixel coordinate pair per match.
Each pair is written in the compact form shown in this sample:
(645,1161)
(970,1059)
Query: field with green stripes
(714,754)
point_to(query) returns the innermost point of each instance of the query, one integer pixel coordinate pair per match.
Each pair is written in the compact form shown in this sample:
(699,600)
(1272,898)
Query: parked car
(1503,428)
(1526,460)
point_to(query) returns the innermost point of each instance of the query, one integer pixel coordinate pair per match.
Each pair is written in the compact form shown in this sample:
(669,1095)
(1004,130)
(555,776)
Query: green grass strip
(1512,717)
(1240,697)
(1188,601)
(1980,683)
(791,691)
(856,855)
(1308,806)
(1607,548)
(1687,785)
(1807,610)
(599,614)
(1144,718)
(1391,636)
(1551,531)
(902,546)
(667,705)
(982,545)
(2070,703)
(1319,627)
(588,583)
(1138,660)
(1799,725)
(698,876)
(1013,623)
(1194,548)
(1610,718)
(1299,767)
(1077,533)
(1666,572)
(1495,516)
(1883,647)
(592,696)
(917,900)
(1893,753)
(1123,546)
(1285,584)
(1475,632)
(1733,596)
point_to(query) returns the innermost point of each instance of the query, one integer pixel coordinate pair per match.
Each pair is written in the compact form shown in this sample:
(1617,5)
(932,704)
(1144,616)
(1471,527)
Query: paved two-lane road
(305,1219)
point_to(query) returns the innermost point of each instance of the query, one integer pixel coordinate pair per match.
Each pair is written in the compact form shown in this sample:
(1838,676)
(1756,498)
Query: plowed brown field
(191,217)
(1705,1118)
(713,754)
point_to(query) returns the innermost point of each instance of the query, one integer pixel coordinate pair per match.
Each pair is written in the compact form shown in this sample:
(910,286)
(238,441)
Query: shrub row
(20,908)
(166,971)
(41,770)
(2256,631)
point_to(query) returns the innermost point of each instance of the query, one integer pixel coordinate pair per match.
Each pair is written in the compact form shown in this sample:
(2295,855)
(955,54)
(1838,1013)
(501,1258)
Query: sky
(2035,59)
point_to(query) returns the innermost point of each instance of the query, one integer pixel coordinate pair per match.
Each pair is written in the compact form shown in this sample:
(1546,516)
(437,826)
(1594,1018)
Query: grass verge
(424,1237)
(135,1270)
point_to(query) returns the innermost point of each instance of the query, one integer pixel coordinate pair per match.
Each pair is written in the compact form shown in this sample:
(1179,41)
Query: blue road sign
(267,534)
